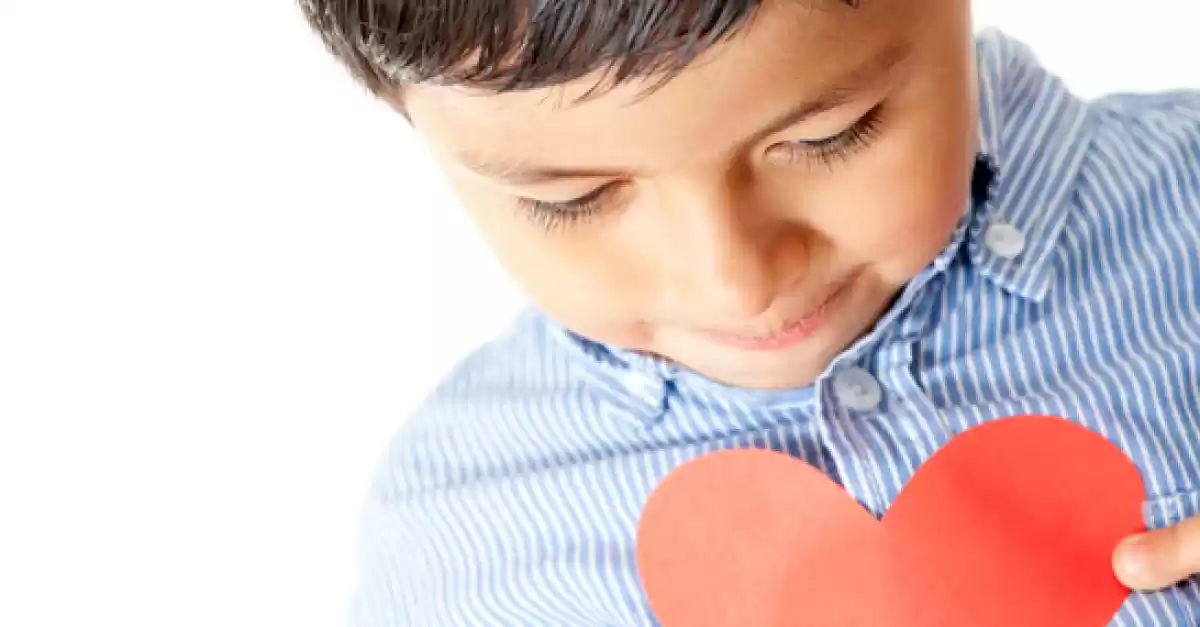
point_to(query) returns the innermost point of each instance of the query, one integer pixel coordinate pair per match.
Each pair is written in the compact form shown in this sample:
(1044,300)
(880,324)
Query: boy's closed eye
(825,151)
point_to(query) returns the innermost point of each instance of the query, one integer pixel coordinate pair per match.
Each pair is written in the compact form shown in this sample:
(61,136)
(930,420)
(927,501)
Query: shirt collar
(1035,134)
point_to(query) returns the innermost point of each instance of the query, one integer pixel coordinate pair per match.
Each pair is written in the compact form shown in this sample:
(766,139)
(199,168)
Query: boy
(843,231)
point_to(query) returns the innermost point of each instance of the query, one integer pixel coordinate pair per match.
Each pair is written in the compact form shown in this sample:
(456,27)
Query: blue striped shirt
(1073,289)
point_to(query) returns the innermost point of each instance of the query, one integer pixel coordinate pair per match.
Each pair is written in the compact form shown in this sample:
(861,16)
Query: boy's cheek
(904,213)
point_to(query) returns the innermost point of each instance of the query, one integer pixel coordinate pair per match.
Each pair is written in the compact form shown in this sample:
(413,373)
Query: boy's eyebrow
(834,96)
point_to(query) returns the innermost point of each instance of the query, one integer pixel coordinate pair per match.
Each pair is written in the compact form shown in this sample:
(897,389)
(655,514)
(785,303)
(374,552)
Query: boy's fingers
(1161,558)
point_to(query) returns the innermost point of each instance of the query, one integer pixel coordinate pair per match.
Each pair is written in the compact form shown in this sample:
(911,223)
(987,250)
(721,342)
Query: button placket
(917,418)
(846,396)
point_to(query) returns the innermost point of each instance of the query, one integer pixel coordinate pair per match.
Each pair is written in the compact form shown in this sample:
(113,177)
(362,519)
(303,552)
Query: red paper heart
(1012,523)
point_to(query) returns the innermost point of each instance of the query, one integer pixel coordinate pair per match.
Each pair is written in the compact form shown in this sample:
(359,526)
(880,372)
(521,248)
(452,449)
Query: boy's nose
(730,260)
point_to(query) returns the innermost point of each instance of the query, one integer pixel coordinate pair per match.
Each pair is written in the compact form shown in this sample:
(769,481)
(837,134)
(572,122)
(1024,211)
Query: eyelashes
(554,215)
(827,152)
(831,150)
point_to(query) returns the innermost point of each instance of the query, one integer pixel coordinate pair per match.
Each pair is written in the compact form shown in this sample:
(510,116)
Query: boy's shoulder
(1151,125)
(1020,86)
(491,411)
(1115,174)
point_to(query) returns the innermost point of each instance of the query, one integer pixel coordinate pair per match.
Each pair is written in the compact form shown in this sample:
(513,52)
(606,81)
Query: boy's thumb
(1161,558)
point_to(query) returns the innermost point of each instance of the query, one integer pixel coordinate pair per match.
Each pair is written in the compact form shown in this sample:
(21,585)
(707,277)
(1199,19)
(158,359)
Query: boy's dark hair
(506,45)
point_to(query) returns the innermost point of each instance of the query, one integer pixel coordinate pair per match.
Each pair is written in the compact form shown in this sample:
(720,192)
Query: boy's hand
(1161,558)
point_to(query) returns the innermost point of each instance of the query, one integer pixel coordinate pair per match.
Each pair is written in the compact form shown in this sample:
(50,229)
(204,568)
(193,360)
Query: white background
(225,276)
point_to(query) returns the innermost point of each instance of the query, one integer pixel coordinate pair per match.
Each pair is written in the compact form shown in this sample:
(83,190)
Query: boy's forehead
(788,58)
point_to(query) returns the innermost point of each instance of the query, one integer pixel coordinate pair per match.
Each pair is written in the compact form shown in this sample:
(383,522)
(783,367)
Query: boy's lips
(790,333)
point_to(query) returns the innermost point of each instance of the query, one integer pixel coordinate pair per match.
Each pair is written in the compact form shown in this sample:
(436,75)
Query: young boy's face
(749,218)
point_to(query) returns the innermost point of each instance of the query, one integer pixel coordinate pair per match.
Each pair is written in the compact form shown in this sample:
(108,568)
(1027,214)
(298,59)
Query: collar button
(645,387)
(857,390)
(1004,240)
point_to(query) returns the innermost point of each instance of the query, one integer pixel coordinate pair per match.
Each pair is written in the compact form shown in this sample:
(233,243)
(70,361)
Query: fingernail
(1133,557)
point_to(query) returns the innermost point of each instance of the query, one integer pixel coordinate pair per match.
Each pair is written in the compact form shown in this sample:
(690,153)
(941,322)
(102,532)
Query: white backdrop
(225,276)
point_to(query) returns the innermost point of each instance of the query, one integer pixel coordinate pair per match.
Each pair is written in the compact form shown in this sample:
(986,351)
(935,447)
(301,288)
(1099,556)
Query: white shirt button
(1005,240)
(645,388)
(857,389)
